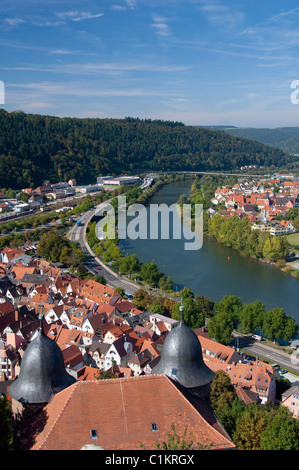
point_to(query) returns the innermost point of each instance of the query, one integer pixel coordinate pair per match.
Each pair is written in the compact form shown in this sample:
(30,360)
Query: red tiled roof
(21,271)
(87,373)
(72,355)
(117,330)
(109,407)
(256,375)
(285,223)
(97,292)
(12,253)
(6,307)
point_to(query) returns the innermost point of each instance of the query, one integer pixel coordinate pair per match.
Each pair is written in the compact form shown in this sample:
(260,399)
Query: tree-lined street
(266,352)
(92,262)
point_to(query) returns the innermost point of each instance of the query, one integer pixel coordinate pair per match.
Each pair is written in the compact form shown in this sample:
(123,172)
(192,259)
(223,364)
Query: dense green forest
(264,135)
(34,148)
(285,138)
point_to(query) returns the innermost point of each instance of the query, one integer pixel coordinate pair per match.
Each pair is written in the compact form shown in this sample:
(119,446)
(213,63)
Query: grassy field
(293,238)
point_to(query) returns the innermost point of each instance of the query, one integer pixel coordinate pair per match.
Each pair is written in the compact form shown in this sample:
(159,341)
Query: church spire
(182,308)
(41,318)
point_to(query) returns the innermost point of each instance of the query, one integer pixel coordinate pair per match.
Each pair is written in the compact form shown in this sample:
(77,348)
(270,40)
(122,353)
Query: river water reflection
(215,270)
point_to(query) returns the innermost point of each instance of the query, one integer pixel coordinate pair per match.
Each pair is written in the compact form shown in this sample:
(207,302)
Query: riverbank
(238,234)
(215,270)
(110,253)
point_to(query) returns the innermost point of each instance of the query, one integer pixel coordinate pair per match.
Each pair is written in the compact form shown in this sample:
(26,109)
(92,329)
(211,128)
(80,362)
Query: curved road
(93,263)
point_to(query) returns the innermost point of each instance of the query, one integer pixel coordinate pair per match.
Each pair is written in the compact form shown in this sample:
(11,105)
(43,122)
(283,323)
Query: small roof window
(154,427)
(93,434)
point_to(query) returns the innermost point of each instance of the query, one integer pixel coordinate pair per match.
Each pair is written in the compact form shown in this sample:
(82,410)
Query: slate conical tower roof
(42,371)
(182,359)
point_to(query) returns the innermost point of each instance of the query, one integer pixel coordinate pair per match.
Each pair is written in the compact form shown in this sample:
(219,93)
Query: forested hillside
(285,138)
(291,145)
(34,148)
(264,135)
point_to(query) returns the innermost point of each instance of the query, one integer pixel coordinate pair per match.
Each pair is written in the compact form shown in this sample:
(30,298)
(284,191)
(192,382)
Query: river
(215,270)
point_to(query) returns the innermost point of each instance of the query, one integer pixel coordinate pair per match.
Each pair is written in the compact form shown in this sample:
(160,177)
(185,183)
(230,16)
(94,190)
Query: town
(149,229)
(15,204)
(100,331)
(102,334)
(263,201)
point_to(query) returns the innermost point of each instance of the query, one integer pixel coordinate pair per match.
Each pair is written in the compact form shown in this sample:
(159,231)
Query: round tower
(42,373)
(182,360)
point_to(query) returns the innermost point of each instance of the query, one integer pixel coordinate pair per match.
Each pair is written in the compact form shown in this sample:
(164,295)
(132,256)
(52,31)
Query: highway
(92,262)
(268,353)
(217,173)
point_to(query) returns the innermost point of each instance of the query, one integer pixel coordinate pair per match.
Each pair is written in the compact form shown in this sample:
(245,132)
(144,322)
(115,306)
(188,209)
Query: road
(93,263)
(218,173)
(268,353)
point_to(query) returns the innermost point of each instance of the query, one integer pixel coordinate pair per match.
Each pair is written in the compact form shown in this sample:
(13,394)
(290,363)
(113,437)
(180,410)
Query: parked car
(257,337)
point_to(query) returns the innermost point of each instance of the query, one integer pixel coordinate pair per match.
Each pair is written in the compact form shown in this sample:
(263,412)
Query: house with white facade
(97,353)
(139,361)
(155,318)
(119,352)
(92,321)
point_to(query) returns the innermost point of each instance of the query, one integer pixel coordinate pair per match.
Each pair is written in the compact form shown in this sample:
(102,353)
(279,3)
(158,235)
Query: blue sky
(202,62)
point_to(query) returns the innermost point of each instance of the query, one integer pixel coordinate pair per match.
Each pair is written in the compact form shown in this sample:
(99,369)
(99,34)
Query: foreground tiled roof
(121,413)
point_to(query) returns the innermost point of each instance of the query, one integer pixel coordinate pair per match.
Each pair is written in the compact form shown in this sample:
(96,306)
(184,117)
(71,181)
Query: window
(173,372)
(154,427)
(93,434)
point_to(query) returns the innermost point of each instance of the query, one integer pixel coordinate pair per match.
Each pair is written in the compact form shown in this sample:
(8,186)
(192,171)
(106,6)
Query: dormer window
(154,427)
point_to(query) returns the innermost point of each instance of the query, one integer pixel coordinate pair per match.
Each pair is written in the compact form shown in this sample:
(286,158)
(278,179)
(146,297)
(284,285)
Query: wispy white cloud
(276,46)
(87,16)
(221,14)
(78,89)
(118,7)
(47,23)
(128,4)
(78,16)
(60,18)
(91,67)
(283,14)
(14,21)
(35,20)
(131,4)
(64,52)
(160,25)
